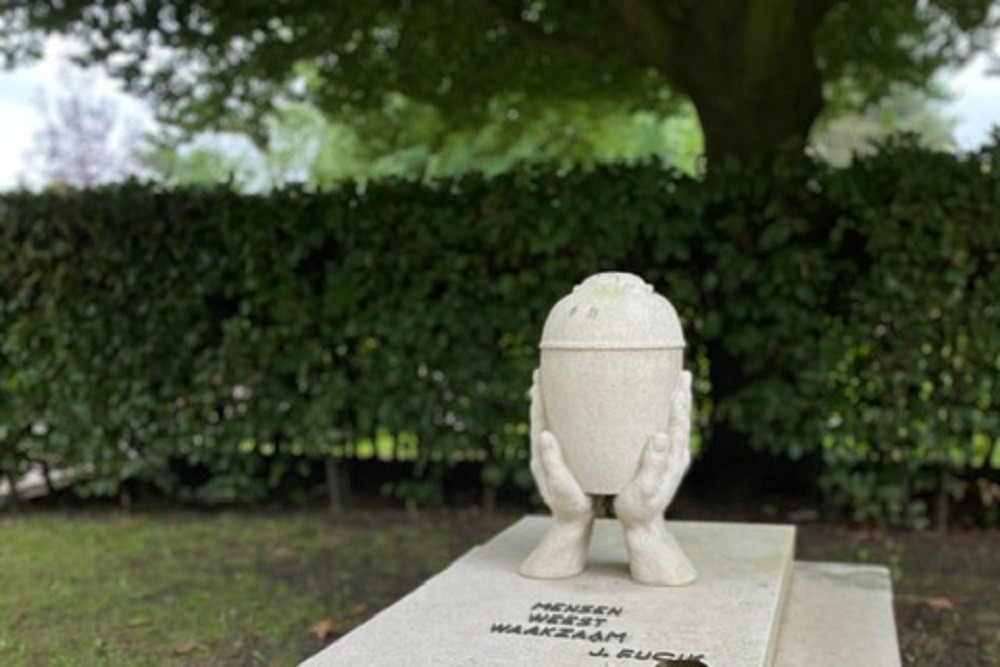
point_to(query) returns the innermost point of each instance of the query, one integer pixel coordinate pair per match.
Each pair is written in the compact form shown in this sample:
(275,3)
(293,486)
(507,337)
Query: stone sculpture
(611,415)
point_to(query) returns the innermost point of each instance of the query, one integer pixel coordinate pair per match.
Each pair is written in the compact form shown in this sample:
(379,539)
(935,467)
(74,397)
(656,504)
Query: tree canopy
(758,72)
(304,146)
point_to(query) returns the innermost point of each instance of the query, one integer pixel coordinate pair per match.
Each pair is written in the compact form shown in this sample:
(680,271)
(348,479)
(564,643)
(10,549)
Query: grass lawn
(233,589)
(206,589)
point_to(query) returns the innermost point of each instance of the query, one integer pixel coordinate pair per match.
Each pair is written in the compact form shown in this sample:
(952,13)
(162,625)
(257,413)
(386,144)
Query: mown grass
(202,590)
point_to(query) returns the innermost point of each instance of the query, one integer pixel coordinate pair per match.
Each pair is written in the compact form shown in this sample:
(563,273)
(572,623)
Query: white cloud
(20,118)
(976,104)
(22,95)
(18,122)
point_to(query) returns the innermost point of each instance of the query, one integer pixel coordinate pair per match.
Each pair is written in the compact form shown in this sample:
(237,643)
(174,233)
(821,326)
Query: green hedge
(910,371)
(844,314)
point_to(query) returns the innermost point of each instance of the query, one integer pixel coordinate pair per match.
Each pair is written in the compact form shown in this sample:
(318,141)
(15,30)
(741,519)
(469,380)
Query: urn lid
(612,311)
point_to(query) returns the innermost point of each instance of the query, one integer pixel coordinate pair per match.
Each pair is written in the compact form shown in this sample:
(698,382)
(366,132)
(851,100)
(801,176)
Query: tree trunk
(334,487)
(748,66)
(757,121)
(13,499)
(50,488)
(728,467)
(489,499)
(941,502)
(752,75)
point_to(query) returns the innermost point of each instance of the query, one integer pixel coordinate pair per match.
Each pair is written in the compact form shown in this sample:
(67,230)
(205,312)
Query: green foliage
(407,140)
(755,66)
(345,56)
(912,366)
(843,314)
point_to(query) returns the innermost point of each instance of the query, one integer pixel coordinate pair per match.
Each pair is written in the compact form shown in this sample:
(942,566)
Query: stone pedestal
(838,614)
(751,606)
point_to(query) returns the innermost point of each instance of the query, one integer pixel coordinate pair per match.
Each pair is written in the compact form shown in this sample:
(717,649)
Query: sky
(976,102)
(975,106)
(23,95)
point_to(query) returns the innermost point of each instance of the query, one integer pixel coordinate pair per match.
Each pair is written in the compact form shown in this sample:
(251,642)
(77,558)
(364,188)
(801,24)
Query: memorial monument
(611,415)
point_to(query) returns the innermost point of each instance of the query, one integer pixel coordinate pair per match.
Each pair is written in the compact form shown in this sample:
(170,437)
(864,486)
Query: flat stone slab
(480,612)
(836,615)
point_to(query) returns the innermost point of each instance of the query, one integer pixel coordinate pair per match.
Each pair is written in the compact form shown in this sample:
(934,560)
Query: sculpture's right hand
(563,550)
(556,484)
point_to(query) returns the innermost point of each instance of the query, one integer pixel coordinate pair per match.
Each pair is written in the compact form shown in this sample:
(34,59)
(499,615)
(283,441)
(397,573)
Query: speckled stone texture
(480,613)
(742,611)
(838,614)
(611,357)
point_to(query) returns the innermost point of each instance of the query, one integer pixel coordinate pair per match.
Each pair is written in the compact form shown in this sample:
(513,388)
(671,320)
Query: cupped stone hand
(654,555)
(665,461)
(563,551)
(559,489)
(556,484)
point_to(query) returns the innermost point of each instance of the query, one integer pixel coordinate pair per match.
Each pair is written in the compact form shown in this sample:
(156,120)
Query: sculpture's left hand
(664,463)
(655,557)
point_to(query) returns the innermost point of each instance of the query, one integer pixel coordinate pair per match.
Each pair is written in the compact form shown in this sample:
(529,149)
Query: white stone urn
(611,358)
